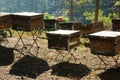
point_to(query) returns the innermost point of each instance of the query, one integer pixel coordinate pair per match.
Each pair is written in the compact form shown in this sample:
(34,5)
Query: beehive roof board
(106,34)
(66,32)
(63,32)
(27,13)
(3,14)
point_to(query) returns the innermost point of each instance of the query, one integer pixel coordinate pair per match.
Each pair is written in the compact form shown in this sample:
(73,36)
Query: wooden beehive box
(105,43)
(51,24)
(65,25)
(77,25)
(63,39)
(91,28)
(27,21)
(70,25)
(5,21)
(116,24)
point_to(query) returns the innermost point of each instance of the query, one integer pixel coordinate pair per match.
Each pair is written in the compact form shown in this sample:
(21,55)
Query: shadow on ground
(6,56)
(29,66)
(70,70)
(110,74)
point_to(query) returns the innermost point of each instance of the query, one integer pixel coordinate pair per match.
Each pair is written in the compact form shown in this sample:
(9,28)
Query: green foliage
(48,16)
(101,17)
(80,2)
(117,3)
(89,15)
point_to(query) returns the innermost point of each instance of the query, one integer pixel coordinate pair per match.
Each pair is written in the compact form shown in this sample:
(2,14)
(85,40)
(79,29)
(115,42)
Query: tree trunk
(71,10)
(96,11)
(119,11)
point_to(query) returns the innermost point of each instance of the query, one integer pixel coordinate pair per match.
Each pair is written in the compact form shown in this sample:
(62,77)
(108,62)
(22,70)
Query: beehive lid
(63,32)
(26,13)
(3,14)
(106,34)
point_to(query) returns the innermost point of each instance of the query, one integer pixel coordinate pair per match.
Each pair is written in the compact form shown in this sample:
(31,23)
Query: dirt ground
(40,63)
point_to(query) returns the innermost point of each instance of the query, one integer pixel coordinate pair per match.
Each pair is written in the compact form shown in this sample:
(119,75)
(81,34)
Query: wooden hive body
(5,21)
(116,24)
(63,39)
(105,43)
(91,28)
(51,24)
(27,21)
(70,25)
